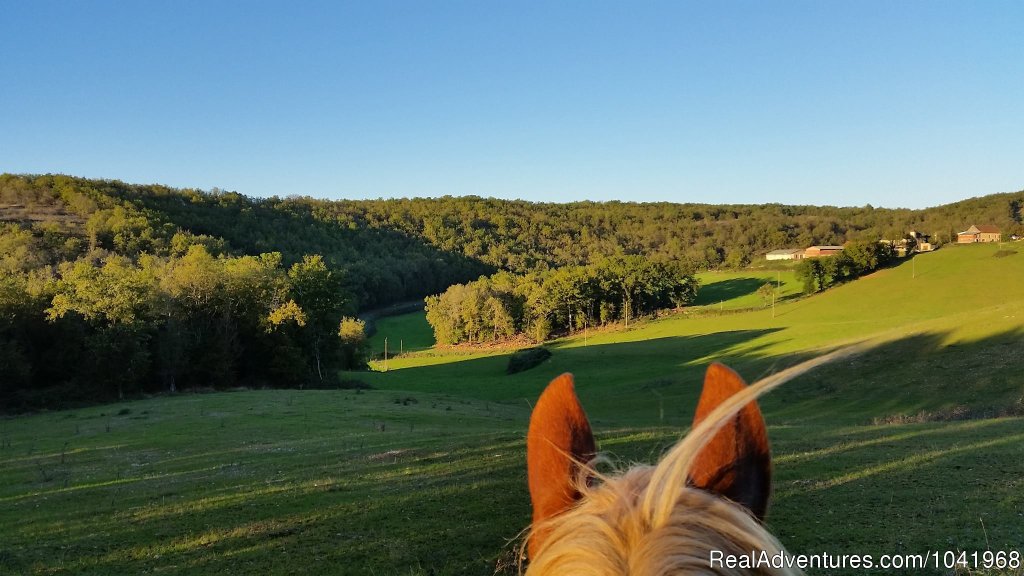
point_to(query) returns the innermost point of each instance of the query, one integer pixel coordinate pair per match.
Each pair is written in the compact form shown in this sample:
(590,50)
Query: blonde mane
(651,520)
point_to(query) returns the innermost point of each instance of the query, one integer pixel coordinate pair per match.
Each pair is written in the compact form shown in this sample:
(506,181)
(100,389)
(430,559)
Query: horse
(706,497)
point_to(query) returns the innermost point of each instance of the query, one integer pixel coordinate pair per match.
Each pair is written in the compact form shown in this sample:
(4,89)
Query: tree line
(535,306)
(394,250)
(106,327)
(403,249)
(521,237)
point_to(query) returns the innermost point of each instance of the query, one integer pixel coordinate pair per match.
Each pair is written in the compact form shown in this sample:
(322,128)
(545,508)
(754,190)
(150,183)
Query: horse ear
(559,437)
(736,463)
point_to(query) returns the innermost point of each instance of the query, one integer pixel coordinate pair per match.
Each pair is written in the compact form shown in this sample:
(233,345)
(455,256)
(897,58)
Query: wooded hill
(110,288)
(402,249)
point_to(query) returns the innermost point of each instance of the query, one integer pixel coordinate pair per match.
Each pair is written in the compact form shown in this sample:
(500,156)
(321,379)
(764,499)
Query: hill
(74,216)
(908,448)
(111,289)
(913,313)
(401,248)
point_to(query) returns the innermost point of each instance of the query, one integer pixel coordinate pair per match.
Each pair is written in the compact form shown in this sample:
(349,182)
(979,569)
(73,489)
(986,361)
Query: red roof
(988,229)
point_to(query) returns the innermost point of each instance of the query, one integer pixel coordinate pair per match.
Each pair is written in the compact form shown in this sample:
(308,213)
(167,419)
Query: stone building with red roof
(983,233)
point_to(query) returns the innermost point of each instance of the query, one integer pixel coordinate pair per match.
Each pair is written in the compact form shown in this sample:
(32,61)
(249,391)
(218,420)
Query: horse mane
(652,520)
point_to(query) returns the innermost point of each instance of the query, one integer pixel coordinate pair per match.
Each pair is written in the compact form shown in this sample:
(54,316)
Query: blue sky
(818,102)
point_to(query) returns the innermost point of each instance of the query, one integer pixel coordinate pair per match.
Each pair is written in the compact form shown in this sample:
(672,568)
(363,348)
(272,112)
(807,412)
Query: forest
(109,289)
(100,300)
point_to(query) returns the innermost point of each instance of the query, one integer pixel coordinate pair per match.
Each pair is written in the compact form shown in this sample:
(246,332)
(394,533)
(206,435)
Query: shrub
(526,359)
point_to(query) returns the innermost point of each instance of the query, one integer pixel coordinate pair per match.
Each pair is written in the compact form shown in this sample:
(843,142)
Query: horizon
(217,189)
(907,106)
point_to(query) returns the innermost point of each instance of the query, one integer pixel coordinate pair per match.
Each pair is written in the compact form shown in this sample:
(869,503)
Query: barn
(817,251)
(983,233)
(785,254)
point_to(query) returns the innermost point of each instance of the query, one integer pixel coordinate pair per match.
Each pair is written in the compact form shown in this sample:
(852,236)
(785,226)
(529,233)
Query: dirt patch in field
(392,455)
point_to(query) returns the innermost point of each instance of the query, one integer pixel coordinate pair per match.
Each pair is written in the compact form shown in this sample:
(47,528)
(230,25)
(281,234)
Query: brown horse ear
(558,438)
(736,463)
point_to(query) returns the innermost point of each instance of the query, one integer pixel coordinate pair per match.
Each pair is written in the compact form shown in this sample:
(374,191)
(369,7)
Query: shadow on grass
(725,290)
(919,377)
(456,504)
(656,382)
(901,488)
(420,516)
(613,375)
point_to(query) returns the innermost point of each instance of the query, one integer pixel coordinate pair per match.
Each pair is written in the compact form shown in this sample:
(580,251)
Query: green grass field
(730,290)
(404,333)
(425,474)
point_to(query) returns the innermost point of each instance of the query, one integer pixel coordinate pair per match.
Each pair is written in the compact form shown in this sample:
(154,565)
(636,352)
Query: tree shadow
(727,290)
(457,501)
(616,375)
(861,469)
(921,377)
(656,382)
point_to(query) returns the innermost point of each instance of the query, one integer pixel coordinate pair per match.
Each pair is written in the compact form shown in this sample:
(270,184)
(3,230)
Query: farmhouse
(922,242)
(900,246)
(785,254)
(983,233)
(818,251)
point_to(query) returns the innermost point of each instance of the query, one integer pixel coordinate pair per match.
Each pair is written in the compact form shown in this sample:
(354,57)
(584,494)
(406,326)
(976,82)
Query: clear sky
(893,103)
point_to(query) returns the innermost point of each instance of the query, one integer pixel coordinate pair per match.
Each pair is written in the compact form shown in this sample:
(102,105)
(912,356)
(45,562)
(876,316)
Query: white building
(785,254)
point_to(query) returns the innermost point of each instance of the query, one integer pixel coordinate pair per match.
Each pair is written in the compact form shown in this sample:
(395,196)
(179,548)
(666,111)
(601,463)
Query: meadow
(915,446)
(404,332)
(737,290)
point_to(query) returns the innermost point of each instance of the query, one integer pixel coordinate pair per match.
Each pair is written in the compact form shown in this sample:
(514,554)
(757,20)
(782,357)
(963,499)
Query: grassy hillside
(731,290)
(425,474)
(404,332)
(915,313)
(275,482)
(287,482)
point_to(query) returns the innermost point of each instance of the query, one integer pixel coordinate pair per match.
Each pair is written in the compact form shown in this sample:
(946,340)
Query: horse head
(708,493)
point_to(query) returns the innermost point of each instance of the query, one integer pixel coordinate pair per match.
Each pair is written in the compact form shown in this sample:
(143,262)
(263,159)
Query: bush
(526,359)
